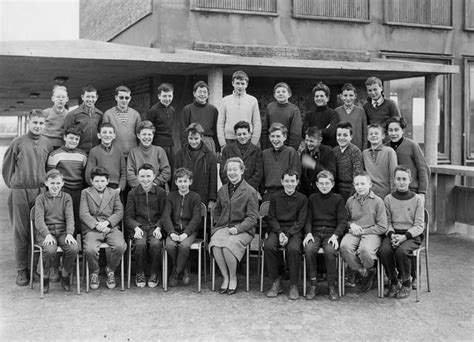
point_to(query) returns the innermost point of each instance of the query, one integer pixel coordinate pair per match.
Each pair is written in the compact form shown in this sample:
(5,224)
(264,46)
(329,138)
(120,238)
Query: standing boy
(286,218)
(202,112)
(24,171)
(87,117)
(124,119)
(367,223)
(143,213)
(353,114)
(54,125)
(101,212)
(348,160)
(237,107)
(378,108)
(54,223)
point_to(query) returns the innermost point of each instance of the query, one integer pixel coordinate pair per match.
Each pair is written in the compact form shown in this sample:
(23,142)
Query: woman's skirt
(235,243)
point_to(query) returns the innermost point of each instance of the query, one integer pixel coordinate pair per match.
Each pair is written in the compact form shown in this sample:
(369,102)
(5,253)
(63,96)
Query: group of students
(128,162)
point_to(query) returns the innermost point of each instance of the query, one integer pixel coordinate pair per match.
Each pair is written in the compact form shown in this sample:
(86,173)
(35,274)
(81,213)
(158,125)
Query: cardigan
(287,114)
(71,163)
(113,160)
(89,123)
(125,125)
(203,114)
(405,214)
(328,211)
(162,118)
(381,171)
(370,214)
(182,213)
(326,120)
(54,211)
(235,108)
(358,119)
(287,213)
(154,155)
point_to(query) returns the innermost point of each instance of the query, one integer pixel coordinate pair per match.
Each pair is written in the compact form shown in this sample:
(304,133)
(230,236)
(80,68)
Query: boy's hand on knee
(174,237)
(211,205)
(49,240)
(183,237)
(355,229)
(334,241)
(233,231)
(309,237)
(157,233)
(139,233)
(283,239)
(70,240)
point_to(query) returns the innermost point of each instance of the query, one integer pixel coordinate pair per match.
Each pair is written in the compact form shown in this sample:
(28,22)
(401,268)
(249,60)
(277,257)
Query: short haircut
(165,87)
(362,174)
(321,87)
(88,89)
(235,160)
(314,131)
(345,125)
(325,174)
(76,130)
(276,126)
(282,85)
(39,113)
(54,173)
(146,166)
(183,172)
(291,173)
(195,128)
(373,80)
(99,172)
(122,88)
(145,125)
(58,87)
(240,75)
(106,125)
(395,119)
(200,84)
(376,125)
(242,124)
(403,168)
(348,87)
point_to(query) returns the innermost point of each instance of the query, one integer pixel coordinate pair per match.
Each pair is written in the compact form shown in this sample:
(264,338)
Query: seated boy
(147,153)
(181,221)
(101,212)
(405,216)
(315,158)
(54,222)
(367,223)
(379,161)
(276,160)
(286,217)
(326,223)
(348,160)
(145,206)
(197,158)
(109,156)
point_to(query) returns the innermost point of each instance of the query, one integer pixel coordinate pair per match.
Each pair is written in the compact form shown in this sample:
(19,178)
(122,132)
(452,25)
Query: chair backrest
(427,228)
(263,212)
(204,220)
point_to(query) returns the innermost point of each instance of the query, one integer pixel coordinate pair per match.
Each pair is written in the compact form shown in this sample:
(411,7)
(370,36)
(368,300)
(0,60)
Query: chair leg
(122,273)
(87,276)
(304,275)
(129,271)
(204,252)
(78,275)
(427,271)
(262,269)
(199,268)
(31,266)
(417,275)
(380,272)
(247,270)
(343,276)
(41,274)
(213,273)
(165,270)
(340,278)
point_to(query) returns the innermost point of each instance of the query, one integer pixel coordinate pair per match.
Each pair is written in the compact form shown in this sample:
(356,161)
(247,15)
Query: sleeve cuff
(390,233)
(408,235)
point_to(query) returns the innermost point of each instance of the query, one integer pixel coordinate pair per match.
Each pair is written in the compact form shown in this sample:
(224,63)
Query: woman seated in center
(235,218)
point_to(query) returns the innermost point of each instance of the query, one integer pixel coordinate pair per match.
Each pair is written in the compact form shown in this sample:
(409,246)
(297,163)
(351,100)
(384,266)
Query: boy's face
(402,180)
(395,132)
(375,136)
(343,136)
(165,97)
(320,98)
(374,91)
(289,184)
(100,183)
(89,98)
(348,97)
(106,135)
(145,178)
(234,172)
(312,142)
(281,95)
(324,185)
(239,85)
(146,137)
(183,184)
(201,95)
(59,98)
(194,140)
(36,125)
(277,138)
(243,135)
(123,99)
(54,185)
(71,141)
(362,185)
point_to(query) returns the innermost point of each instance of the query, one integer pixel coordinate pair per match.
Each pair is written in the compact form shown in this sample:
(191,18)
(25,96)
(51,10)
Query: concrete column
(215,81)
(431,119)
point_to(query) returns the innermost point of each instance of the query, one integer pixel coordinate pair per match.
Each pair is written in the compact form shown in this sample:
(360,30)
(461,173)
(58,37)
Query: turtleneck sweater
(287,114)
(203,114)
(154,155)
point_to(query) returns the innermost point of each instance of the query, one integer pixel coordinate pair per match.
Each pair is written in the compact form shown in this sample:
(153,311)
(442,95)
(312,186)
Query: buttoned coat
(94,209)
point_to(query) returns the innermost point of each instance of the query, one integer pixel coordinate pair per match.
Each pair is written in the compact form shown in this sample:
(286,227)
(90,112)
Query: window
(409,93)
(469,15)
(340,10)
(469,107)
(261,7)
(422,13)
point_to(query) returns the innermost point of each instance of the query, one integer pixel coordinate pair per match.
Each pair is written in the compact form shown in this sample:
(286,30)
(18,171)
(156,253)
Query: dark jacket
(88,123)
(182,213)
(325,160)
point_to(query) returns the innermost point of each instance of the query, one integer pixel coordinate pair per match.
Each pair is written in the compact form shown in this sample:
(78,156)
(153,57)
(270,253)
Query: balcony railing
(259,7)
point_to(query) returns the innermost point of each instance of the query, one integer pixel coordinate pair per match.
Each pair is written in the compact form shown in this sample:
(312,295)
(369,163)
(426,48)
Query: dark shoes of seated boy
(314,291)
(277,289)
(174,278)
(22,278)
(399,291)
(367,280)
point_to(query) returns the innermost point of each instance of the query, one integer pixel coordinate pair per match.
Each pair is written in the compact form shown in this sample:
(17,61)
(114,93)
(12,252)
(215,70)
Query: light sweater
(381,171)
(405,214)
(154,155)
(125,124)
(54,125)
(369,213)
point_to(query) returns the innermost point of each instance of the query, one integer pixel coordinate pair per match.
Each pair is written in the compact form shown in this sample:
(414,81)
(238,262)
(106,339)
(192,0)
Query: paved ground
(184,314)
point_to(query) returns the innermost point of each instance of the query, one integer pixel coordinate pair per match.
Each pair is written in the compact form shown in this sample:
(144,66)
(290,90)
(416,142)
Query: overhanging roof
(31,66)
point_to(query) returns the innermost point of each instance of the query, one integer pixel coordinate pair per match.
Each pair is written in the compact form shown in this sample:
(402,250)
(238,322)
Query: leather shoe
(45,285)
(223,291)
(313,291)
(368,280)
(275,290)
(230,292)
(65,283)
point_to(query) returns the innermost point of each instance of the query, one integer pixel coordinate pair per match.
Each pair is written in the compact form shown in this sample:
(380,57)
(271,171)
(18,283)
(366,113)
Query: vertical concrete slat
(215,80)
